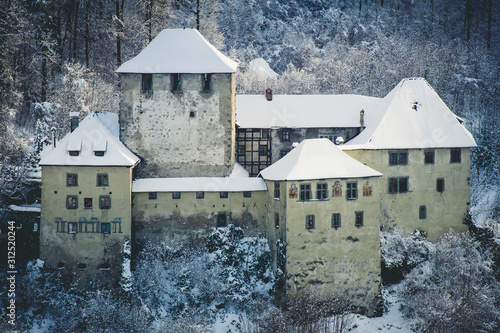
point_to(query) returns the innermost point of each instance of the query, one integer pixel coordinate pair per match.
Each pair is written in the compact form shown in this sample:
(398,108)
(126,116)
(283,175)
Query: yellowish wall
(344,261)
(444,210)
(84,247)
(177,220)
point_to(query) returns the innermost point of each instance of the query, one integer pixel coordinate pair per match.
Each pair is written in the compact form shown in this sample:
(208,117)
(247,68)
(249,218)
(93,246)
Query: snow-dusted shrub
(455,290)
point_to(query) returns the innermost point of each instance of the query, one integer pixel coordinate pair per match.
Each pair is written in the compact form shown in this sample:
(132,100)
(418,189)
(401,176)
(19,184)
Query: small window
(422,212)
(176,195)
(153,195)
(440,185)
(263,150)
(206,83)
(87,203)
(285,135)
(359,220)
(74,153)
(247,194)
(310,222)
(399,157)
(398,185)
(176,82)
(104,202)
(336,220)
(200,195)
(105,227)
(102,179)
(429,157)
(265,133)
(277,193)
(322,191)
(456,155)
(241,150)
(305,192)
(72,227)
(99,153)
(223,195)
(351,190)
(147,82)
(71,202)
(221,220)
(276,220)
(82,266)
(104,267)
(71,179)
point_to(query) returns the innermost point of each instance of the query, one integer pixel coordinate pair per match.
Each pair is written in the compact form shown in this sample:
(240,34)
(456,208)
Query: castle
(320,174)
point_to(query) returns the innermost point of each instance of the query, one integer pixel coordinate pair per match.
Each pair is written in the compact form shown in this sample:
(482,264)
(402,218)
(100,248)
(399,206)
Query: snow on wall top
(95,132)
(412,115)
(317,159)
(179,51)
(289,111)
(199,184)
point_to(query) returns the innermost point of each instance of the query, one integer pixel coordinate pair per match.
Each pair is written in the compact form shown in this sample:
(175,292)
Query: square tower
(177,107)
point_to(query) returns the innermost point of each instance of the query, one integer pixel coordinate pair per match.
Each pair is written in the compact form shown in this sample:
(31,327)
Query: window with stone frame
(336,220)
(351,190)
(71,179)
(147,83)
(102,179)
(176,195)
(398,185)
(277,192)
(200,195)
(310,223)
(152,195)
(104,202)
(398,157)
(440,185)
(87,203)
(224,195)
(305,192)
(71,202)
(72,227)
(321,191)
(358,219)
(429,156)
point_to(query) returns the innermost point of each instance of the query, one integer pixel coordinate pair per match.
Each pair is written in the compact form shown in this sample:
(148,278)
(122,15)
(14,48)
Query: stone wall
(179,134)
(444,210)
(87,251)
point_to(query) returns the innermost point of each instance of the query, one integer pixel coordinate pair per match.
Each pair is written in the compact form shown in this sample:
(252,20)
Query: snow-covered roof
(412,115)
(239,171)
(33,208)
(199,184)
(261,68)
(97,132)
(179,51)
(289,111)
(317,159)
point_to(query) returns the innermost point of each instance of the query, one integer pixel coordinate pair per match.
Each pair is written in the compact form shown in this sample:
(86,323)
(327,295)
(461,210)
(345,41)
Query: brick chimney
(269,94)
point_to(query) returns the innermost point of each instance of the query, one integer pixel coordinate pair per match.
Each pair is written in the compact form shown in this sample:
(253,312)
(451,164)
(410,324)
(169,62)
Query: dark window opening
(71,179)
(277,193)
(398,185)
(422,212)
(263,150)
(322,191)
(104,202)
(398,158)
(61,265)
(223,195)
(276,220)
(221,220)
(74,152)
(351,190)
(429,157)
(247,194)
(176,82)
(99,153)
(147,82)
(207,83)
(102,179)
(200,195)
(310,222)
(82,266)
(285,135)
(87,203)
(359,220)
(153,195)
(105,227)
(71,202)
(456,155)
(440,185)
(336,220)
(176,195)
(305,192)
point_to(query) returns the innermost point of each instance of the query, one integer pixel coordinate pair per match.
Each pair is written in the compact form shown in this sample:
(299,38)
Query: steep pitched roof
(93,134)
(412,115)
(317,159)
(255,111)
(179,51)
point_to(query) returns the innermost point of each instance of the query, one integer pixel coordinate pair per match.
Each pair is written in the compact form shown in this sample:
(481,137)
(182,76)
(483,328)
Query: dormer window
(74,146)
(74,153)
(176,83)
(206,83)
(147,83)
(99,153)
(99,147)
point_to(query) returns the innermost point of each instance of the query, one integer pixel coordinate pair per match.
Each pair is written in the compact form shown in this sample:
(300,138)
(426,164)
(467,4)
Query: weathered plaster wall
(343,261)
(444,210)
(171,141)
(85,246)
(276,206)
(188,219)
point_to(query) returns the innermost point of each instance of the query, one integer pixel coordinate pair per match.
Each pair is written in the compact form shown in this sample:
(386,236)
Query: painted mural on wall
(367,189)
(337,189)
(292,193)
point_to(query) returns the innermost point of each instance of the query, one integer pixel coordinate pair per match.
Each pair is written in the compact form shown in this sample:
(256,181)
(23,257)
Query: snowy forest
(60,56)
